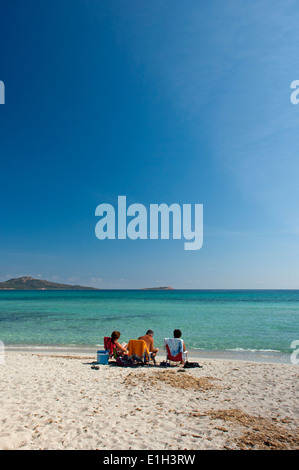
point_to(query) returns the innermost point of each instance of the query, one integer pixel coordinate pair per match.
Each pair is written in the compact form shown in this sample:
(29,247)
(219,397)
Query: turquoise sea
(221,323)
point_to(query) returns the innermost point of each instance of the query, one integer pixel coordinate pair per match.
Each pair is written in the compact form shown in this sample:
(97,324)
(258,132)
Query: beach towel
(176,345)
(137,348)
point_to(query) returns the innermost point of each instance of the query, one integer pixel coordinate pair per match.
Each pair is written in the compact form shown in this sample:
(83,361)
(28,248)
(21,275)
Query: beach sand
(57,401)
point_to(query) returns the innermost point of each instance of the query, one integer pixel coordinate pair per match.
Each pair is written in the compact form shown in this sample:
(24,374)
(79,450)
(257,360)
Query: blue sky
(164,102)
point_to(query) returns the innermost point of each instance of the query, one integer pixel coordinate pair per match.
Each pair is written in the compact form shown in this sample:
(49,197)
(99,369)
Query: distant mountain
(158,288)
(28,283)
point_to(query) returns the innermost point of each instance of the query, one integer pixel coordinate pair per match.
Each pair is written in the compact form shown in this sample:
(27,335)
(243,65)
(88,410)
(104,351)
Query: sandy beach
(58,401)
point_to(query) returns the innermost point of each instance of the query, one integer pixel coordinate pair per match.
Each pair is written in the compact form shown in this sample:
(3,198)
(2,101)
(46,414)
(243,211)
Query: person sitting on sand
(121,349)
(149,341)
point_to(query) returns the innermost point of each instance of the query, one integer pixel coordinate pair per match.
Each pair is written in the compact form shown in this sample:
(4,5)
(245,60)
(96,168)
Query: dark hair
(149,332)
(177,333)
(115,335)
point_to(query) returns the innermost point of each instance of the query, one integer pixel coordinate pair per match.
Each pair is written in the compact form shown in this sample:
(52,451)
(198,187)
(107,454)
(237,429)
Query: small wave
(254,350)
(51,347)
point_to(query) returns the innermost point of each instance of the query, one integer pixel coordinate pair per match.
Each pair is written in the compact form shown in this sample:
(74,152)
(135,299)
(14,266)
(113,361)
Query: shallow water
(237,322)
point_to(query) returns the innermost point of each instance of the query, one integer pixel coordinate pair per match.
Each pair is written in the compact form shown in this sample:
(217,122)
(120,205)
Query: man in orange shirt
(148,339)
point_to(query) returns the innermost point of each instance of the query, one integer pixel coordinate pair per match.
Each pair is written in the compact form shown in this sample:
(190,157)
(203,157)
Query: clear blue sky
(185,102)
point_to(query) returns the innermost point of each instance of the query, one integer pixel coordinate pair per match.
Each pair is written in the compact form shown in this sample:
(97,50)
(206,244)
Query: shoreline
(259,356)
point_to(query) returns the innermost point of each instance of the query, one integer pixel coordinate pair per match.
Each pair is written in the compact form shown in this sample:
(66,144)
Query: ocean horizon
(257,324)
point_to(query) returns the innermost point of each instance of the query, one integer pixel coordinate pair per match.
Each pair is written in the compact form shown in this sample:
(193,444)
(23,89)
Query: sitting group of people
(122,349)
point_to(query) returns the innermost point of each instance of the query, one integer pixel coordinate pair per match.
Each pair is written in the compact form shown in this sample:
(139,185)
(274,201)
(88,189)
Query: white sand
(61,403)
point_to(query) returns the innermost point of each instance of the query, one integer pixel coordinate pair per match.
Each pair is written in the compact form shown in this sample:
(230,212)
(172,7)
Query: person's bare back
(148,339)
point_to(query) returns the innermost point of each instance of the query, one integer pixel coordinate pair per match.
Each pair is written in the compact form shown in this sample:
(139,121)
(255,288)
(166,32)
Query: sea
(257,325)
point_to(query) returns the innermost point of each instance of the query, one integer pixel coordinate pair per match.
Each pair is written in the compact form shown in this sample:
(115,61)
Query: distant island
(29,283)
(158,288)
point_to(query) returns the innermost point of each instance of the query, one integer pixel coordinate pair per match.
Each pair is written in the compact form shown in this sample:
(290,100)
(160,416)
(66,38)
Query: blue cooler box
(102,357)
